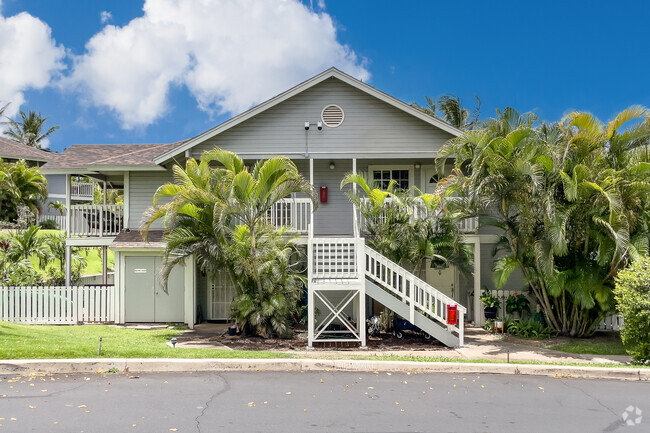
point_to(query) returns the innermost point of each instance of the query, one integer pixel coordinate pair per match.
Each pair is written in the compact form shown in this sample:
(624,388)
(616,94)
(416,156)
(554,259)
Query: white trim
(330,73)
(408,167)
(127,199)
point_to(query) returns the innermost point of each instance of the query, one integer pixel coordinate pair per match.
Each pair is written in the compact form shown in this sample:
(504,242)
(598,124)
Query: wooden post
(311,181)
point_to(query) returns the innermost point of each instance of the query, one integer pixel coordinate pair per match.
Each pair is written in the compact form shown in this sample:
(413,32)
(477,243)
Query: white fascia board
(122,168)
(332,72)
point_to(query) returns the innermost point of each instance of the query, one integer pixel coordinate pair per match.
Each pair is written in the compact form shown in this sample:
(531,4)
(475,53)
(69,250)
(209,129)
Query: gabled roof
(93,157)
(332,72)
(11,149)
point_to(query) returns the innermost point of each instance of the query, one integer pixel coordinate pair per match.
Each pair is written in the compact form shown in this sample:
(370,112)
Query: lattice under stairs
(342,271)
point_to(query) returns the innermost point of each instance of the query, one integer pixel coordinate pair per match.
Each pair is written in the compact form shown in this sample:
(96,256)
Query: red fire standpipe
(323,194)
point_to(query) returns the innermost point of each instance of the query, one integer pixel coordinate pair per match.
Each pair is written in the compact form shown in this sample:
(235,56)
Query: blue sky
(180,68)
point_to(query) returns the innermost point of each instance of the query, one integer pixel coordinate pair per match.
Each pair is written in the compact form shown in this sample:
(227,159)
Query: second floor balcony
(96,220)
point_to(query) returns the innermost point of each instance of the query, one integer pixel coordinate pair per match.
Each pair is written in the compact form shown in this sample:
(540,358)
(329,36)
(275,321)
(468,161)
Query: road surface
(319,401)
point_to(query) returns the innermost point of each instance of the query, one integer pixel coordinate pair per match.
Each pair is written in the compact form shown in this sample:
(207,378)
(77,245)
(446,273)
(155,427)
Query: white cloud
(29,58)
(105,16)
(229,54)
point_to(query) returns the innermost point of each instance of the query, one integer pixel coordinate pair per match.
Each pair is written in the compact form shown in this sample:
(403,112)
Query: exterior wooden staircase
(342,271)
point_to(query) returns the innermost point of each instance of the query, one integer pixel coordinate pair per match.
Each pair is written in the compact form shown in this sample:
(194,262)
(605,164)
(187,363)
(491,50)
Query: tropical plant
(408,228)
(20,185)
(113,196)
(57,244)
(570,198)
(517,303)
(29,130)
(632,295)
(452,110)
(26,243)
(488,300)
(58,206)
(528,329)
(218,214)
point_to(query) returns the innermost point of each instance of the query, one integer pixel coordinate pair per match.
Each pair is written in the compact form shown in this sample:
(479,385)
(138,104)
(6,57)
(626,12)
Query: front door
(429,179)
(145,300)
(444,278)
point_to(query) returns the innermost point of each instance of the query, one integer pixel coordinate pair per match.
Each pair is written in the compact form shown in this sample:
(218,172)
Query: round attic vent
(332,115)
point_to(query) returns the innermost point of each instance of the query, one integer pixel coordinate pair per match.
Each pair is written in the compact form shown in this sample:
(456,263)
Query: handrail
(82,189)
(411,289)
(293,213)
(96,220)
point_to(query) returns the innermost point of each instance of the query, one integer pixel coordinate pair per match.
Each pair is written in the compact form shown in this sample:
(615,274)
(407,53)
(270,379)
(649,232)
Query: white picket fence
(59,219)
(611,323)
(57,304)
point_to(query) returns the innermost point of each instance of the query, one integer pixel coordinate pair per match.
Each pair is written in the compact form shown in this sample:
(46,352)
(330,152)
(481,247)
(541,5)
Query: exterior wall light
(332,166)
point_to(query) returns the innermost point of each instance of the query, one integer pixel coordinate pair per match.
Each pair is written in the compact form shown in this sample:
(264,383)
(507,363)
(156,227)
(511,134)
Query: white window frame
(410,168)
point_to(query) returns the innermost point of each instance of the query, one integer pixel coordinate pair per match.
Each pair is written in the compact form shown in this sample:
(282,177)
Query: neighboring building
(329,125)
(13,151)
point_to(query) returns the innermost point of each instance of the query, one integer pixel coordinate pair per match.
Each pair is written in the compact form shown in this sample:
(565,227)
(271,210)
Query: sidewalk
(479,345)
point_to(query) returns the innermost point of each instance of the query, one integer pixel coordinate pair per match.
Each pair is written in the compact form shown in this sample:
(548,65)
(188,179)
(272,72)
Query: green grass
(92,255)
(614,347)
(64,342)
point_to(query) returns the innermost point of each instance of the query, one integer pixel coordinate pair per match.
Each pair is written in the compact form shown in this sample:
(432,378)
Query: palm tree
(27,243)
(397,233)
(452,110)
(20,185)
(212,208)
(29,130)
(571,199)
(58,206)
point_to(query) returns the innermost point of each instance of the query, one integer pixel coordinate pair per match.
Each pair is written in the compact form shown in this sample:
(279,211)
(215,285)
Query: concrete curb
(160,365)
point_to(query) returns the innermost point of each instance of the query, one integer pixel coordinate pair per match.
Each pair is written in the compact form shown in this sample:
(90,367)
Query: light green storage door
(169,307)
(139,278)
(145,299)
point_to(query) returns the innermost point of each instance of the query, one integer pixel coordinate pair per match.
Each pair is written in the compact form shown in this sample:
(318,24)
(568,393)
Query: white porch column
(104,264)
(104,191)
(68,227)
(127,201)
(68,265)
(355,229)
(311,181)
(479,318)
(310,292)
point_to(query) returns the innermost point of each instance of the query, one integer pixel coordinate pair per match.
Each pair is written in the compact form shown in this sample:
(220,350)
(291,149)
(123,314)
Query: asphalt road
(320,401)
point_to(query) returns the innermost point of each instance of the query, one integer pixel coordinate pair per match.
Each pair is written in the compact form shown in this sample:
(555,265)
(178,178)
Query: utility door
(444,278)
(222,292)
(144,298)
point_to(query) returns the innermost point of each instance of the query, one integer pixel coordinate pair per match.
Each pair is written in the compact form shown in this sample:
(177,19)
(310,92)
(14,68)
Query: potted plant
(491,304)
(517,304)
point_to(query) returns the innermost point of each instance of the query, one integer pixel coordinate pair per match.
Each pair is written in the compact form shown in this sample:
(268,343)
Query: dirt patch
(598,337)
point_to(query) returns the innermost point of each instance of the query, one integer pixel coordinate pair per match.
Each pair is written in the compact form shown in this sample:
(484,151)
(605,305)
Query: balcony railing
(294,213)
(82,190)
(96,220)
(467,225)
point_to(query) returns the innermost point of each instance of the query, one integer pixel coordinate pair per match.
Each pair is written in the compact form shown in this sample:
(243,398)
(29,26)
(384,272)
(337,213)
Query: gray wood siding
(516,280)
(371,127)
(335,216)
(142,186)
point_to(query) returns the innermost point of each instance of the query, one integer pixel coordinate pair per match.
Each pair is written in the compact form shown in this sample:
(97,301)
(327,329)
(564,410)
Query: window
(381,176)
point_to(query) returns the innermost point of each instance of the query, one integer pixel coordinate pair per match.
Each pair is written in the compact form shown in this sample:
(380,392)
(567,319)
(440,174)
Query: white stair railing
(417,293)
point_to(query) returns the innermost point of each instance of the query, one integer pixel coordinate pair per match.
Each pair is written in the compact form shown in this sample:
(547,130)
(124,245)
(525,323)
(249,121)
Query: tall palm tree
(58,206)
(453,111)
(571,198)
(29,130)
(20,185)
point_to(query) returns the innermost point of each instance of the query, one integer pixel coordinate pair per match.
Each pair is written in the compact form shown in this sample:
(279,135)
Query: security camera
(320,126)
(306,126)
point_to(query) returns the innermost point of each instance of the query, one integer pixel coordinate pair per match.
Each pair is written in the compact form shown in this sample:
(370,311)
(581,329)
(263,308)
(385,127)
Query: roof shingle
(10,149)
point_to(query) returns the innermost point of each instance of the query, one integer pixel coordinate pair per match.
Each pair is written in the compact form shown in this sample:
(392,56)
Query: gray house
(13,151)
(329,125)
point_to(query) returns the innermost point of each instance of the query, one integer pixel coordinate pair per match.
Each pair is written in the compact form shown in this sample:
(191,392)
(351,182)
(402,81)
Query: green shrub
(48,225)
(528,329)
(632,293)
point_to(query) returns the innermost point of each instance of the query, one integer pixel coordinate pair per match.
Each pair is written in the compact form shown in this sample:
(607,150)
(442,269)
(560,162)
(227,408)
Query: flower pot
(490,312)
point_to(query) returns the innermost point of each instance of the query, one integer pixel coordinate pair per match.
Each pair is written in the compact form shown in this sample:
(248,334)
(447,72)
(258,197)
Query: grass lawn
(592,347)
(45,341)
(92,255)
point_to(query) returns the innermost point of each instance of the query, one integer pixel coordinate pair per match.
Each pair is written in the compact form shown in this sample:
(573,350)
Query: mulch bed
(299,342)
